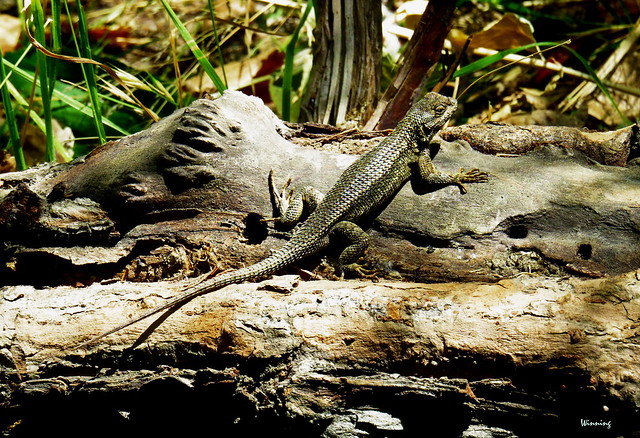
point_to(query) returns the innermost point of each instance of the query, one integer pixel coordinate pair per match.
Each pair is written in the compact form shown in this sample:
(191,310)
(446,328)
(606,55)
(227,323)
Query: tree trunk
(345,79)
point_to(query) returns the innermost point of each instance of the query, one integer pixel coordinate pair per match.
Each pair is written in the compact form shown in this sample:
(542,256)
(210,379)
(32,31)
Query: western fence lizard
(361,192)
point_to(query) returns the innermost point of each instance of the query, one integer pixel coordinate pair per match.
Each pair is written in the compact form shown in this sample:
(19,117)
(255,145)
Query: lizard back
(373,179)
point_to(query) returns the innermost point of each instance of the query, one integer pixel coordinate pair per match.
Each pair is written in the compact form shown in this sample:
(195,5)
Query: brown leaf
(507,33)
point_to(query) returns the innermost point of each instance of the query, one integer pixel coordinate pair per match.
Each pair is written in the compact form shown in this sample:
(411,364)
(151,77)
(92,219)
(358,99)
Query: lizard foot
(360,270)
(280,199)
(292,204)
(471,176)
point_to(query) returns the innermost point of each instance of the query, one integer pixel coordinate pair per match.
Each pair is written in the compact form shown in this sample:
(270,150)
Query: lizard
(362,191)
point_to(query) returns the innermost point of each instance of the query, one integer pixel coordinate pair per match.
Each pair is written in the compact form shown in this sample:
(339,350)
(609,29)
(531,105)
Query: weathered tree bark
(165,201)
(515,340)
(613,148)
(345,79)
(520,357)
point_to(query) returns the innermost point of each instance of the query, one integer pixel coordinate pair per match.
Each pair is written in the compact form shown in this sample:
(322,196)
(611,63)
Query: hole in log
(585,251)
(255,230)
(517,231)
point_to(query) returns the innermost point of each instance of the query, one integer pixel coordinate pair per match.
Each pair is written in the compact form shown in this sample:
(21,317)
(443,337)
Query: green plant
(287,76)
(47,74)
(193,46)
(88,71)
(10,118)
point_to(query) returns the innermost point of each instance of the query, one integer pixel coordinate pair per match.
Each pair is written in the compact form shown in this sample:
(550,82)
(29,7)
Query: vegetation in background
(83,48)
(122,65)
(10,119)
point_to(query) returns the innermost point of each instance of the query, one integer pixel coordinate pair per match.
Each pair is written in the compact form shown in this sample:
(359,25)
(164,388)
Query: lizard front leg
(291,203)
(430,175)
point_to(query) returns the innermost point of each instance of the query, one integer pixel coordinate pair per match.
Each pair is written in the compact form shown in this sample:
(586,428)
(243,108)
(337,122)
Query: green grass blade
(599,83)
(492,59)
(64,98)
(212,12)
(10,118)
(20,100)
(56,42)
(193,46)
(43,67)
(84,109)
(35,118)
(83,48)
(287,76)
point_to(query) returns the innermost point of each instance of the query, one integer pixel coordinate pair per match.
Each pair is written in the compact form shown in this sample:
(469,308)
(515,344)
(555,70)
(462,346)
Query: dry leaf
(626,72)
(507,33)
(410,12)
(7,162)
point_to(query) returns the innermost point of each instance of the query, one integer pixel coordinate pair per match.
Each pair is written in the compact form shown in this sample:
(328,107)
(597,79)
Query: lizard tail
(264,267)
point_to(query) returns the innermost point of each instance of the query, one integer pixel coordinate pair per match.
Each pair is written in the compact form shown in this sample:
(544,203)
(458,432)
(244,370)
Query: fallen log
(614,148)
(517,314)
(519,357)
(197,182)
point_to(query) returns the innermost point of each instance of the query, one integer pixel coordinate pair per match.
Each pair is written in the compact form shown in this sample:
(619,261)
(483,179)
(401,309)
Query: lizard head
(429,115)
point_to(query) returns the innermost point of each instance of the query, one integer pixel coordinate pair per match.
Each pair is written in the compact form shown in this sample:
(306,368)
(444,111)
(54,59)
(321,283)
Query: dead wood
(345,78)
(520,357)
(419,57)
(612,148)
(516,340)
(190,195)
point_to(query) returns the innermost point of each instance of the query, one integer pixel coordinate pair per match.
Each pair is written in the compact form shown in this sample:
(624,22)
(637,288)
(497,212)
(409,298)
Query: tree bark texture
(521,357)
(345,79)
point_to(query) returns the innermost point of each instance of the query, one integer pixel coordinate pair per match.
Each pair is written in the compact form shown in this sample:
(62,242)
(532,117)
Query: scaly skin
(364,189)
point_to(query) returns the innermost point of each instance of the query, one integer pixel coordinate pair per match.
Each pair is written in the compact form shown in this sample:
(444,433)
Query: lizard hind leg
(292,204)
(357,241)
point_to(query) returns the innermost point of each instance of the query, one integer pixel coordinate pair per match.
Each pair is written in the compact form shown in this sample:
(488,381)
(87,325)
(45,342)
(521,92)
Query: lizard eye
(439,110)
